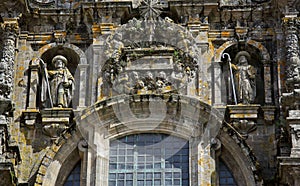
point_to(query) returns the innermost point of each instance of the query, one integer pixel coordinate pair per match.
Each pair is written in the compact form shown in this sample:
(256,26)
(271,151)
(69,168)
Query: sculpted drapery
(61,84)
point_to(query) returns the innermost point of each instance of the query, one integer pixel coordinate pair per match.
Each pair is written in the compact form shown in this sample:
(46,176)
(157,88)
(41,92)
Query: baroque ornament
(150,9)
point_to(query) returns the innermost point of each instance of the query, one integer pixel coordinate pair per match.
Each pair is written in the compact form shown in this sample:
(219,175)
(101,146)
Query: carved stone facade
(149,92)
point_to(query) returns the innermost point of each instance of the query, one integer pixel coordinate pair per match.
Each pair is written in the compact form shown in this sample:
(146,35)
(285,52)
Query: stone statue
(162,83)
(178,77)
(245,78)
(136,83)
(60,82)
(293,74)
(149,81)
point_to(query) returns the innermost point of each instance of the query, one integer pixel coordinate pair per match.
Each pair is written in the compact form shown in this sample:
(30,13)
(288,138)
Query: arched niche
(255,61)
(238,158)
(77,65)
(260,58)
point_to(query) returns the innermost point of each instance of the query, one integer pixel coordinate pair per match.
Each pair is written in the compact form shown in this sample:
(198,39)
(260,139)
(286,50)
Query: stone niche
(257,81)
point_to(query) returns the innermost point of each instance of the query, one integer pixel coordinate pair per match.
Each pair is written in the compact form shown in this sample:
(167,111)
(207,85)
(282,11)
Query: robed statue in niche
(244,75)
(58,84)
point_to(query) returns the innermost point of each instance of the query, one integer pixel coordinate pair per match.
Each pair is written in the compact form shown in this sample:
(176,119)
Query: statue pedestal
(243,118)
(56,120)
(293,121)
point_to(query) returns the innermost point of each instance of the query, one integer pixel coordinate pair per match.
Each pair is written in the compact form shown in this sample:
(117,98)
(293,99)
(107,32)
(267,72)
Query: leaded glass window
(149,160)
(225,176)
(74,177)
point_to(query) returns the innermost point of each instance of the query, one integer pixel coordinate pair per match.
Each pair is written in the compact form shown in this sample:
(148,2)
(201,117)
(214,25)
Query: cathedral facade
(149,92)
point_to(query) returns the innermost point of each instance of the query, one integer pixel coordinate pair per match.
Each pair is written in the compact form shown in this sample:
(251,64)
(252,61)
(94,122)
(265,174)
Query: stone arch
(59,160)
(239,159)
(77,50)
(185,117)
(264,52)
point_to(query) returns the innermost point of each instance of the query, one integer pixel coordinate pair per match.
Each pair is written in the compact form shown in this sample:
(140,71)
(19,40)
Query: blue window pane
(140,176)
(157,175)
(168,182)
(157,182)
(121,176)
(129,166)
(112,166)
(157,165)
(68,184)
(149,159)
(149,183)
(225,176)
(112,176)
(129,176)
(177,175)
(120,183)
(74,177)
(185,182)
(140,182)
(176,182)
(149,176)
(168,175)
(112,183)
(129,158)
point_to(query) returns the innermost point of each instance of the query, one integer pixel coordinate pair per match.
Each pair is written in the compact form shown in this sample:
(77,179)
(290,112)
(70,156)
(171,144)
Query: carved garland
(116,65)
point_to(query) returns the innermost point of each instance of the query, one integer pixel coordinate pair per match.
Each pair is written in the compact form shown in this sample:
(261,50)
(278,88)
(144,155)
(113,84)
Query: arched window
(225,176)
(74,177)
(149,159)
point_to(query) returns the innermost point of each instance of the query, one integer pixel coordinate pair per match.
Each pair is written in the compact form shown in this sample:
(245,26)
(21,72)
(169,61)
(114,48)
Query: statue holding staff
(245,78)
(58,85)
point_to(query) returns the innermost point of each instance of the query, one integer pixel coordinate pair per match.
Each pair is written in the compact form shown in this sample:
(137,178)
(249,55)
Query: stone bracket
(289,169)
(29,117)
(56,120)
(293,121)
(243,118)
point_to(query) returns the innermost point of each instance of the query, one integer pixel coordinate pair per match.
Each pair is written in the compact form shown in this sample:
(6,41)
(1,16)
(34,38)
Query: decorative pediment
(150,68)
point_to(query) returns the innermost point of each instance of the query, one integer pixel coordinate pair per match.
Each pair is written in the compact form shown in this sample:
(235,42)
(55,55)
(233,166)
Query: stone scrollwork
(292,96)
(8,57)
(293,61)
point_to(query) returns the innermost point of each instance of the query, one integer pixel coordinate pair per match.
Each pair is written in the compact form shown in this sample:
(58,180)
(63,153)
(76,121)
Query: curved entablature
(168,113)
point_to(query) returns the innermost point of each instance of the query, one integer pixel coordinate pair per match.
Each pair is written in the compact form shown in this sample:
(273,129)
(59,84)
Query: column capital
(10,26)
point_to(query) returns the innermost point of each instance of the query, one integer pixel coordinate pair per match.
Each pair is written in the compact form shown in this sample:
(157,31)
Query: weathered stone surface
(148,66)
